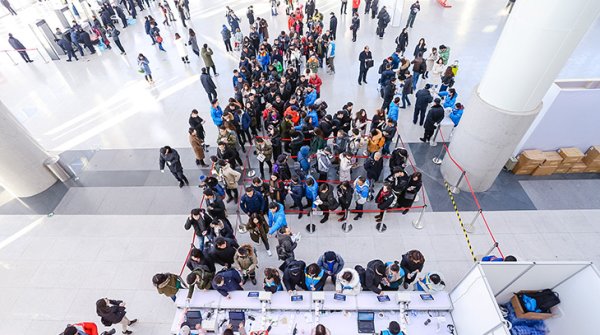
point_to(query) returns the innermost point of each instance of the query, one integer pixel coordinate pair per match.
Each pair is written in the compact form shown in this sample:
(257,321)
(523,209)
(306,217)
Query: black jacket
(423,97)
(333,24)
(435,115)
(216,208)
(285,248)
(398,184)
(204,260)
(386,201)
(328,199)
(207,82)
(172,161)
(293,275)
(224,256)
(200,225)
(15,43)
(373,168)
(372,278)
(115,313)
(345,196)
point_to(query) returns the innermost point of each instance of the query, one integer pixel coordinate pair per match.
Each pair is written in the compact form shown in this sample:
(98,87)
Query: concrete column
(22,171)
(536,42)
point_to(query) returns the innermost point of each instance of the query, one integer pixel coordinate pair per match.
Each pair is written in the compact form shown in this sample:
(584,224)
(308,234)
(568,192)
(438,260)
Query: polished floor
(122,221)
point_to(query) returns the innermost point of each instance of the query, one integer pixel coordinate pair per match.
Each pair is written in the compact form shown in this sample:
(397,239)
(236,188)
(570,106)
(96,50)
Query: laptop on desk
(366,322)
(235,318)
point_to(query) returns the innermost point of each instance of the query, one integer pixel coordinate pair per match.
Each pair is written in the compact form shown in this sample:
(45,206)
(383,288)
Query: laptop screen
(366,316)
(237,316)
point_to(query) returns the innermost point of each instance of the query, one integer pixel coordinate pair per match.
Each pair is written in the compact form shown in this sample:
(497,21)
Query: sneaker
(132,321)
(181,184)
(422,139)
(323,220)
(356,218)
(253,280)
(269,253)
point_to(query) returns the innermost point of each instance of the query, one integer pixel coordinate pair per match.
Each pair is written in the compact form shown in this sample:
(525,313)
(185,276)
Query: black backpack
(545,299)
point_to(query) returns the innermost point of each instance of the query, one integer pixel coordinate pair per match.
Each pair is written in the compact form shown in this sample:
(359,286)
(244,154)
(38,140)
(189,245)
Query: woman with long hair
(193,42)
(407,198)
(143,63)
(112,312)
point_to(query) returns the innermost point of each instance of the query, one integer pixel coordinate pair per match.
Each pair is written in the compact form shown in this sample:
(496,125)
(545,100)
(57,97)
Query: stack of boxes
(592,159)
(551,163)
(529,161)
(572,161)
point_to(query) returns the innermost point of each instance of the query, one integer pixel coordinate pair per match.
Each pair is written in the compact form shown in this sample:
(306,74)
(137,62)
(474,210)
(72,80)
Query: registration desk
(285,315)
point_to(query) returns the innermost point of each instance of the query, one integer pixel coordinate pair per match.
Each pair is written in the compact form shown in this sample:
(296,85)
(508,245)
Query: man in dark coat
(435,116)
(383,19)
(227,281)
(121,15)
(293,275)
(67,47)
(371,277)
(223,251)
(389,90)
(333,25)
(398,180)
(214,205)
(309,8)
(17,45)
(209,85)
(86,40)
(170,157)
(373,166)
(423,99)
(252,202)
(354,26)
(201,224)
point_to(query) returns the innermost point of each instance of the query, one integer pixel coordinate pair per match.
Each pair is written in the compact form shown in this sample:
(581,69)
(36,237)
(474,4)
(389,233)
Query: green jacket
(170,286)
(205,281)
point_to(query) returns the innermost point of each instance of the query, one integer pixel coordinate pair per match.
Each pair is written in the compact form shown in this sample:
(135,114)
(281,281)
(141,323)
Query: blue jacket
(455,115)
(277,220)
(313,115)
(217,115)
(448,102)
(335,267)
(316,282)
(303,156)
(363,190)
(395,61)
(232,282)
(311,191)
(234,79)
(393,111)
(263,60)
(246,120)
(310,99)
(254,204)
(297,191)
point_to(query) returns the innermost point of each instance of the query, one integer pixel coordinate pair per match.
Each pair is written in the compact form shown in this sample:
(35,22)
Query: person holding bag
(112,312)
(407,198)
(257,228)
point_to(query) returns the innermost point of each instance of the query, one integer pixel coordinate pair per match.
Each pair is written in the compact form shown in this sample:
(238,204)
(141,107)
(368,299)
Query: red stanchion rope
(487,226)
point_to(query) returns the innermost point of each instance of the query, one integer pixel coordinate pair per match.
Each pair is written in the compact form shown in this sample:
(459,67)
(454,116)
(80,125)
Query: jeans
(211,95)
(199,242)
(386,147)
(405,100)
(343,8)
(415,80)
(411,20)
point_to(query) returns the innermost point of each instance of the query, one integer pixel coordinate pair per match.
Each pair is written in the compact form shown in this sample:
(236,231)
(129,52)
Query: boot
(245,279)
(197,162)
(300,215)
(253,280)
(181,183)
(357,217)
(185,180)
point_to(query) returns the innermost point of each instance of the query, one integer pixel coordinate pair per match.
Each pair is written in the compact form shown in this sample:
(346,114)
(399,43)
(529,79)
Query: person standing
(331,56)
(209,85)
(348,282)
(424,98)
(433,56)
(383,19)
(344,193)
(181,49)
(333,25)
(408,196)
(366,62)
(114,33)
(355,25)
(412,264)
(144,66)
(148,28)
(231,178)
(198,146)
(414,9)
(8,6)
(250,15)
(206,54)
(67,47)
(389,90)
(168,284)
(246,262)
(355,5)
(384,199)
(434,117)
(406,90)
(402,41)
(343,7)
(170,157)
(226,34)
(112,312)
(193,42)
(361,191)
(227,281)
(17,45)
(257,229)
(332,264)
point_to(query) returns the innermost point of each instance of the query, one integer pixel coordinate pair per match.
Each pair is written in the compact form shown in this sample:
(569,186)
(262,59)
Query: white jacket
(352,287)
(180,46)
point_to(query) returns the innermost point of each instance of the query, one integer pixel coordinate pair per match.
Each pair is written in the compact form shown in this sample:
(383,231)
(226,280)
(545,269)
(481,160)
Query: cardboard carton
(552,158)
(531,157)
(592,156)
(544,170)
(578,168)
(570,155)
(520,311)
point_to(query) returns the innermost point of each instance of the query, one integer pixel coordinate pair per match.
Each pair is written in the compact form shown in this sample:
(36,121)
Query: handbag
(369,63)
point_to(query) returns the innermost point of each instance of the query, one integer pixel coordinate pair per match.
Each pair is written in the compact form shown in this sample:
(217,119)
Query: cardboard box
(592,169)
(531,157)
(544,170)
(552,158)
(578,168)
(592,155)
(523,168)
(571,155)
(520,312)
(562,169)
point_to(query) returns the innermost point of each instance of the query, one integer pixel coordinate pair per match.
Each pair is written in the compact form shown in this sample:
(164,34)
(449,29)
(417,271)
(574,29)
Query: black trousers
(119,45)
(354,35)
(362,75)
(232,193)
(428,133)
(25,56)
(211,95)
(228,45)
(419,114)
(343,8)
(179,176)
(261,166)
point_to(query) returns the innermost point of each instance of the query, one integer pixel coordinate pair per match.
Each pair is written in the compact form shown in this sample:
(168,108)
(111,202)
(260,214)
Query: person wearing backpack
(383,19)
(168,284)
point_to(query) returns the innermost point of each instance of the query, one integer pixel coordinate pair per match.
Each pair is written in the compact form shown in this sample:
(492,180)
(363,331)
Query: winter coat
(193,42)
(402,41)
(385,200)
(345,169)
(221,228)
(375,143)
(410,267)
(344,197)
(197,145)
(265,149)
(328,201)
(397,158)
(455,115)
(372,278)
(15,43)
(334,267)
(393,111)
(217,115)
(260,232)
(297,191)
(253,204)
(434,116)
(207,82)
(311,191)
(200,226)
(351,287)
(373,168)
(310,100)
(303,158)
(206,54)
(424,97)
(431,59)
(170,286)
(277,220)
(317,143)
(114,313)
(285,247)
(171,160)
(216,208)
(248,263)
(323,161)
(204,261)
(398,184)
(143,65)
(205,283)
(449,101)
(407,198)
(231,283)
(362,191)
(230,177)
(293,275)
(224,256)
(315,283)
(180,46)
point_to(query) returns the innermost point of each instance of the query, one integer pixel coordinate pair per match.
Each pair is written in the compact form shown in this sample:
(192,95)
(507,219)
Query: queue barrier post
(470,228)
(437,160)
(311,227)
(433,141)
(418,223)
(346,226)
(381,227)
(240,226)
(455,189)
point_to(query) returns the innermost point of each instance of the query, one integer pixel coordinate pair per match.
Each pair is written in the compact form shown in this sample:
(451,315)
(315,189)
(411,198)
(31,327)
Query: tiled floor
(122,221)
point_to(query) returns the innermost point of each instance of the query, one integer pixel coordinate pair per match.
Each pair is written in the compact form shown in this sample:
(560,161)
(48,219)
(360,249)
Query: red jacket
(316,82)
(295,115)
(355,3)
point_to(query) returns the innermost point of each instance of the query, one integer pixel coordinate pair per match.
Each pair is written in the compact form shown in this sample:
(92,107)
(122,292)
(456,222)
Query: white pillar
(536,42)
(22,171)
